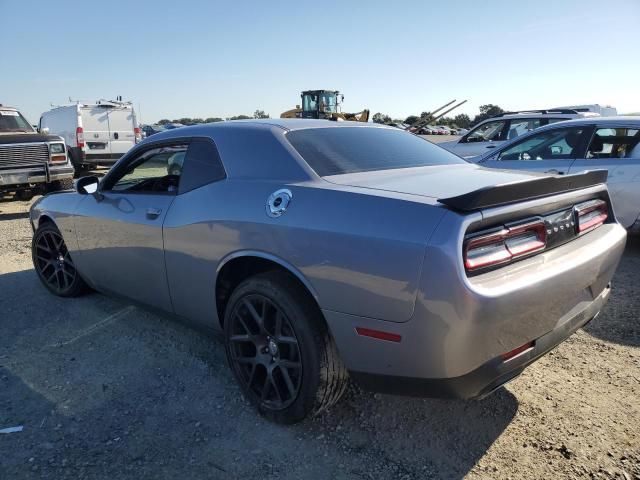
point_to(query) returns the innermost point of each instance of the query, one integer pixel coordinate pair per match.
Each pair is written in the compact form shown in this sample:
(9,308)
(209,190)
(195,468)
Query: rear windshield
(339,150)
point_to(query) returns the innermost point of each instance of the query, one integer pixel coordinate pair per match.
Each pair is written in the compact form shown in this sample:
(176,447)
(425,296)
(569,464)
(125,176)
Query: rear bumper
(489,376)
(461,326)
(102,158)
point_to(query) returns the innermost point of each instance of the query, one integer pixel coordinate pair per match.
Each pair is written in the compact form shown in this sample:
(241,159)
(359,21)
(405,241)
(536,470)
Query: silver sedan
(324,251)
(608,143)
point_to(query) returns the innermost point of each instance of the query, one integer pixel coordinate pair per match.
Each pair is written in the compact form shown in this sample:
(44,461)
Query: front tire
(53,263)
(280,349)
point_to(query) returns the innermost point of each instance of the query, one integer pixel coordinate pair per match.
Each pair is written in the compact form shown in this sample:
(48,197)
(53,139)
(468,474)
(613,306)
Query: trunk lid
(467,186)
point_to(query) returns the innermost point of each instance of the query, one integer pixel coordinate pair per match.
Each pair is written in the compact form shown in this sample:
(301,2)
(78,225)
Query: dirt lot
(107,390)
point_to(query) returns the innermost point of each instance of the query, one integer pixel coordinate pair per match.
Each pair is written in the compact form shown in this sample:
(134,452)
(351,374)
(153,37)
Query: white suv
(506,126)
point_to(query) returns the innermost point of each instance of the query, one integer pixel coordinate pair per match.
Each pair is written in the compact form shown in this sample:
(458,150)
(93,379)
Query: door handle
(554,171)
(153,213)
(491,146)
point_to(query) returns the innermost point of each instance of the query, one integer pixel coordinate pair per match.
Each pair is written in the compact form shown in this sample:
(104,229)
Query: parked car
(327,249)
(29,161)
(609,143)
(446,130)
(96,134)
(462,131)
(496,130)
(148,130)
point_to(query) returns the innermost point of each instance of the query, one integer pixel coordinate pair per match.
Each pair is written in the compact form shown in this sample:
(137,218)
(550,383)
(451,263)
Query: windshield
(328,102)
(12,121)
(339,150)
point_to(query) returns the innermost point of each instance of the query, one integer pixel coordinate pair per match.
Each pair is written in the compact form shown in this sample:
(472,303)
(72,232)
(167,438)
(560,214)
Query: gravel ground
(104,389)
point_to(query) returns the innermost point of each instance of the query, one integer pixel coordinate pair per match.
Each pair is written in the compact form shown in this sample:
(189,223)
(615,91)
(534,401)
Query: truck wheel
(280,349)
(24,195)
(57,185)
(78,167)
(53,264)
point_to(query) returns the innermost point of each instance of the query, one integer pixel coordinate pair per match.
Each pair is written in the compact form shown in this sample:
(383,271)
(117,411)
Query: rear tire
(53,263)
(280,350)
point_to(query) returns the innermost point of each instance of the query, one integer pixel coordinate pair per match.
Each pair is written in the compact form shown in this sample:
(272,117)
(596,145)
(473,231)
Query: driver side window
(157,170)
(560,143)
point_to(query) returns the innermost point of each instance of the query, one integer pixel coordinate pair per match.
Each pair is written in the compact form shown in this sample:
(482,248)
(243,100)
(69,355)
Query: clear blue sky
(199,59)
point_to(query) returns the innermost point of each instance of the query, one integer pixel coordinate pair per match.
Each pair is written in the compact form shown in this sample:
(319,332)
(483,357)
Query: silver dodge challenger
(323,251)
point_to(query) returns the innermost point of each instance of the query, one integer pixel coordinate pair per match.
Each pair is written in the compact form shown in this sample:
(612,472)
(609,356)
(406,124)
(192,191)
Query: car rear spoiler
(521,191)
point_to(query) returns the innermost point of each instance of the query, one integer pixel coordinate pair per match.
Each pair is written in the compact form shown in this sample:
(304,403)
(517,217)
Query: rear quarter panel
(360,254)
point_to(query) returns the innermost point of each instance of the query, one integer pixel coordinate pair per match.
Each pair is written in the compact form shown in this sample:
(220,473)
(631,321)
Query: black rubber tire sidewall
(77,287)
(303,316)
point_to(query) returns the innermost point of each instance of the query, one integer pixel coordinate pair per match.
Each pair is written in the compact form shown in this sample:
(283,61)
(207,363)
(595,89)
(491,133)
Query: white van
(96,134)
(603,110)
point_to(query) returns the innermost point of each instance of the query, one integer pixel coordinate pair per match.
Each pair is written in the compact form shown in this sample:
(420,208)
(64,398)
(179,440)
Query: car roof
(617,120)
(288,124)
(7,107)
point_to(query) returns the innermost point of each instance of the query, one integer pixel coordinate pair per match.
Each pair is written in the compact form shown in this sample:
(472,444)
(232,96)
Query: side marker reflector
(517,351)
(380,335)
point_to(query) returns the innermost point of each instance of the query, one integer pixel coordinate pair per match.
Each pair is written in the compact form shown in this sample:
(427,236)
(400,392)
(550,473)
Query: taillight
(80,137)
(137,133)
(591,214)
(504,245)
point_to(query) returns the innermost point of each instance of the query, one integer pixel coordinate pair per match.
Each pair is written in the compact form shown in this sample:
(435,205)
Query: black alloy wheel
(265,352)
(280,349)
(53,263)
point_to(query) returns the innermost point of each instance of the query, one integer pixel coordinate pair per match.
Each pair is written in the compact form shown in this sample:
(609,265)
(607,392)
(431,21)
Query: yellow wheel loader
(324,104)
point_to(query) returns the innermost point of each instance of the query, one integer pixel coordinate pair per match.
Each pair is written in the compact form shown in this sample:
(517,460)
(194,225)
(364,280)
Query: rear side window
(340,150)
(614,143)
(520,126)
(202,165)
(486,132)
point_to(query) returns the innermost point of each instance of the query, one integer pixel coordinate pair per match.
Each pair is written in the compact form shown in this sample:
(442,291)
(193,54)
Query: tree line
(195,121)
(461,120)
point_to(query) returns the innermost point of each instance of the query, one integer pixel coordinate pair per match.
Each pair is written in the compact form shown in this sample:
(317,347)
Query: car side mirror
(87,185)
(44,131)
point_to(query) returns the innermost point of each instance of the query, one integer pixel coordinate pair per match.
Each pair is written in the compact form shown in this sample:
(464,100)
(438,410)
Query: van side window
(614,143)
(202,166)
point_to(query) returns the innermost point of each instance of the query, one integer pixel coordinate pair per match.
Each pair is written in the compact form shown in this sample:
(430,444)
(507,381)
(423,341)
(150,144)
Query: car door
(549,151)
(616,149)
(478,141)
(194,240)
(119,227)
(121,131)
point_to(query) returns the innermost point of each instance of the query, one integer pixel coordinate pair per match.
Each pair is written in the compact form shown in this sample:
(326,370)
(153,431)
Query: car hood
(11,137)
(438,181)
(449,144)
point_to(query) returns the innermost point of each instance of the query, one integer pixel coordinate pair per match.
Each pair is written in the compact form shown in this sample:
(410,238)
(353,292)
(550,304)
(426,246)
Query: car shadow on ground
(125,393)
(13,215)
(426,438)
(619,321)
